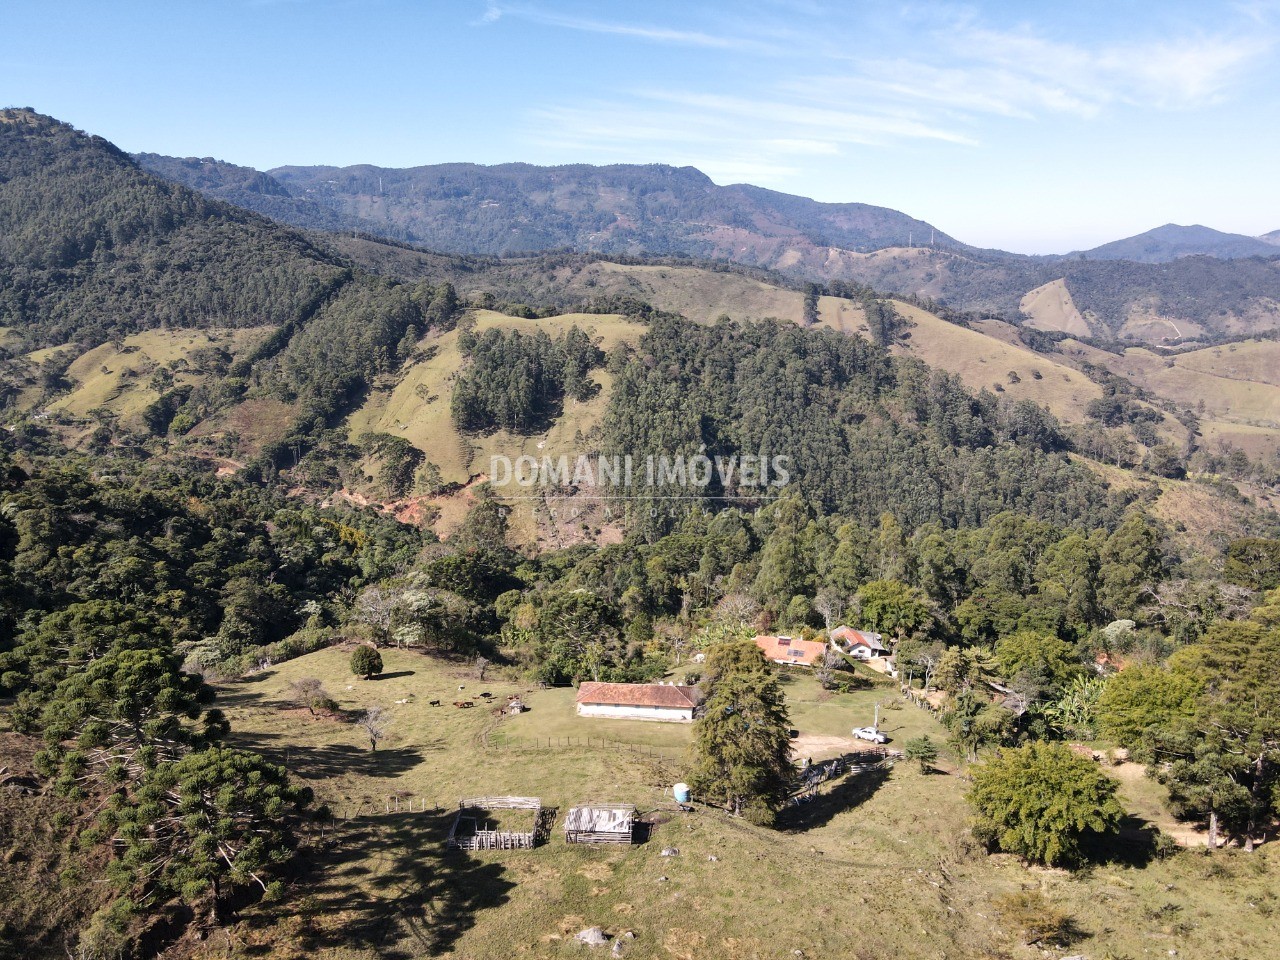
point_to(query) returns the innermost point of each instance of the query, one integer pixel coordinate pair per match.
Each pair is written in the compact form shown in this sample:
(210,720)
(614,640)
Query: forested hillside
(1186,275)
(468,208)
(91,247)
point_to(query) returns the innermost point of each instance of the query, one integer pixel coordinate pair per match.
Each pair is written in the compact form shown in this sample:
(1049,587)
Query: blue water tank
(681,790)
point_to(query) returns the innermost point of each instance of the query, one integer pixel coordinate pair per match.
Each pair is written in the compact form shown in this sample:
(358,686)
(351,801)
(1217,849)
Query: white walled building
(638,701)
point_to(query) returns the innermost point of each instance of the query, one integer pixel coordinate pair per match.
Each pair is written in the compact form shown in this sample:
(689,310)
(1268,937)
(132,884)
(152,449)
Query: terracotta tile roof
(849,638)
(850,635)
(791,650)
(640,695)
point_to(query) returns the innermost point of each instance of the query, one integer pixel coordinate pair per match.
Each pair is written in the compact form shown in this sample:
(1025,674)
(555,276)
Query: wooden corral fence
(392,803)
(861,761)
(469,833)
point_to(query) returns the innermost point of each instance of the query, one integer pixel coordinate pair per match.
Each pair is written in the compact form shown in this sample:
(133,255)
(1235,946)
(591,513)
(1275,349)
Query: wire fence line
(526,744)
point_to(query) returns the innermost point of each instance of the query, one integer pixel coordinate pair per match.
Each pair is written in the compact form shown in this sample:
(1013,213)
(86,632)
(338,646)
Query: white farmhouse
(639,701)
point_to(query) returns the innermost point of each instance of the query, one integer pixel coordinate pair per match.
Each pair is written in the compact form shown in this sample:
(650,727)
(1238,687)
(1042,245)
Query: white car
(870,733)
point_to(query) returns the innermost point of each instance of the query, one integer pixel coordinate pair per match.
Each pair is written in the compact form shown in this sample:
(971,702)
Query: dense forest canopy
(866,433)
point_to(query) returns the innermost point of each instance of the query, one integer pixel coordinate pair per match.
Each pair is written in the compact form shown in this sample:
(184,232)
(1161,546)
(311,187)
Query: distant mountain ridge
(1173,241)
(520,208)
(1215,283)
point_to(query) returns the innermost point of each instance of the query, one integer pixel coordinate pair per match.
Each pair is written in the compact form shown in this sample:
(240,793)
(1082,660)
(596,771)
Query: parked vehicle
(870,733)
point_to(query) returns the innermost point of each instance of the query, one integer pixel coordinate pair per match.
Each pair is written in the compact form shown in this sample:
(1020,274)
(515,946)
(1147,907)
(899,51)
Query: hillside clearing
(1050,307)
(894,848)
(417,406)
(986,362)
(118,378)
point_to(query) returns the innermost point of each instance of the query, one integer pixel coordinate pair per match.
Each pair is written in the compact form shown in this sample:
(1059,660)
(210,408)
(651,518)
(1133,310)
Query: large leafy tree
(741,742)
(1253,562)
(1131,565)
(895,609)
(1146,697)
(1038,662)
(1043,803)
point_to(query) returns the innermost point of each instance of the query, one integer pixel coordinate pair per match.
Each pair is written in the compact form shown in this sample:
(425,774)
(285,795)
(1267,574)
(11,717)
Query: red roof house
(789,650)
(638,701)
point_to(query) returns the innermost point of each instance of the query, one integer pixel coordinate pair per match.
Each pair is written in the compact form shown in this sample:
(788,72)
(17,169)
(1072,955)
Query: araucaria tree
(1223,763)
(216,819)
(1042,802)
(741,742)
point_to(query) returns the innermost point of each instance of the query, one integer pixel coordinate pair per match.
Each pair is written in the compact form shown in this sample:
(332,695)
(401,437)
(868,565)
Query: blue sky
(1031,126)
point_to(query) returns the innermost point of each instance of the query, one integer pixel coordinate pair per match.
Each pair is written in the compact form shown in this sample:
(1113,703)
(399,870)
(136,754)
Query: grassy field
(984,361)
(1253,360)
(1224,397)
(417,407)
(1050,307)
(119,379)
(880,866)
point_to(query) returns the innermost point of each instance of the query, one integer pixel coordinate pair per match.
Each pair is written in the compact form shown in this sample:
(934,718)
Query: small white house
(859,644)
(674,703)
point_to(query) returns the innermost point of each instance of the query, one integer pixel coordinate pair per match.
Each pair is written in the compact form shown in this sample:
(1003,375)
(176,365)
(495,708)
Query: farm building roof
(850,637)
(791,650)
(601,819)
(640,695)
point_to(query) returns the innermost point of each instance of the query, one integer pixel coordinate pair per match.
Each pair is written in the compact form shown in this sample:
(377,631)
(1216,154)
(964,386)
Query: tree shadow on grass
(393,674)
(1135,845)
(855,789)
(233,696)
(335,759)
(385,885)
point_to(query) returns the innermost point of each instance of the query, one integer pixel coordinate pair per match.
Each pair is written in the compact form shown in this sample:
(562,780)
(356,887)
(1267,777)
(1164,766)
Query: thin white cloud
(825,93)
(492,14)
(641,31)
(1164,73)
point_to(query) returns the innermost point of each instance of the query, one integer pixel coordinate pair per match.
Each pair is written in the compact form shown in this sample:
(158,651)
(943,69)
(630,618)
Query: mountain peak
(1173,240)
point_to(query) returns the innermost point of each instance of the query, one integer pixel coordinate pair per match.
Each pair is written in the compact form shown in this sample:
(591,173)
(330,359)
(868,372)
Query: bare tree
(830,605)
(736,609)
(308,692)
(374,723)
(376,608)
(827,667)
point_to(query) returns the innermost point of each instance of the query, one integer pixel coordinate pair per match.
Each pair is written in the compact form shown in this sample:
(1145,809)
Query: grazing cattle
(433,703)
(463,703)
(486,694)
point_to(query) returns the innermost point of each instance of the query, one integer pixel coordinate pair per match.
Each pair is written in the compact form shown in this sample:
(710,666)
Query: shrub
(1041,802)
(366,662)
(923,751)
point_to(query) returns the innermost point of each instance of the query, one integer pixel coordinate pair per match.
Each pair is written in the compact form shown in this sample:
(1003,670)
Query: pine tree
(742,740)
